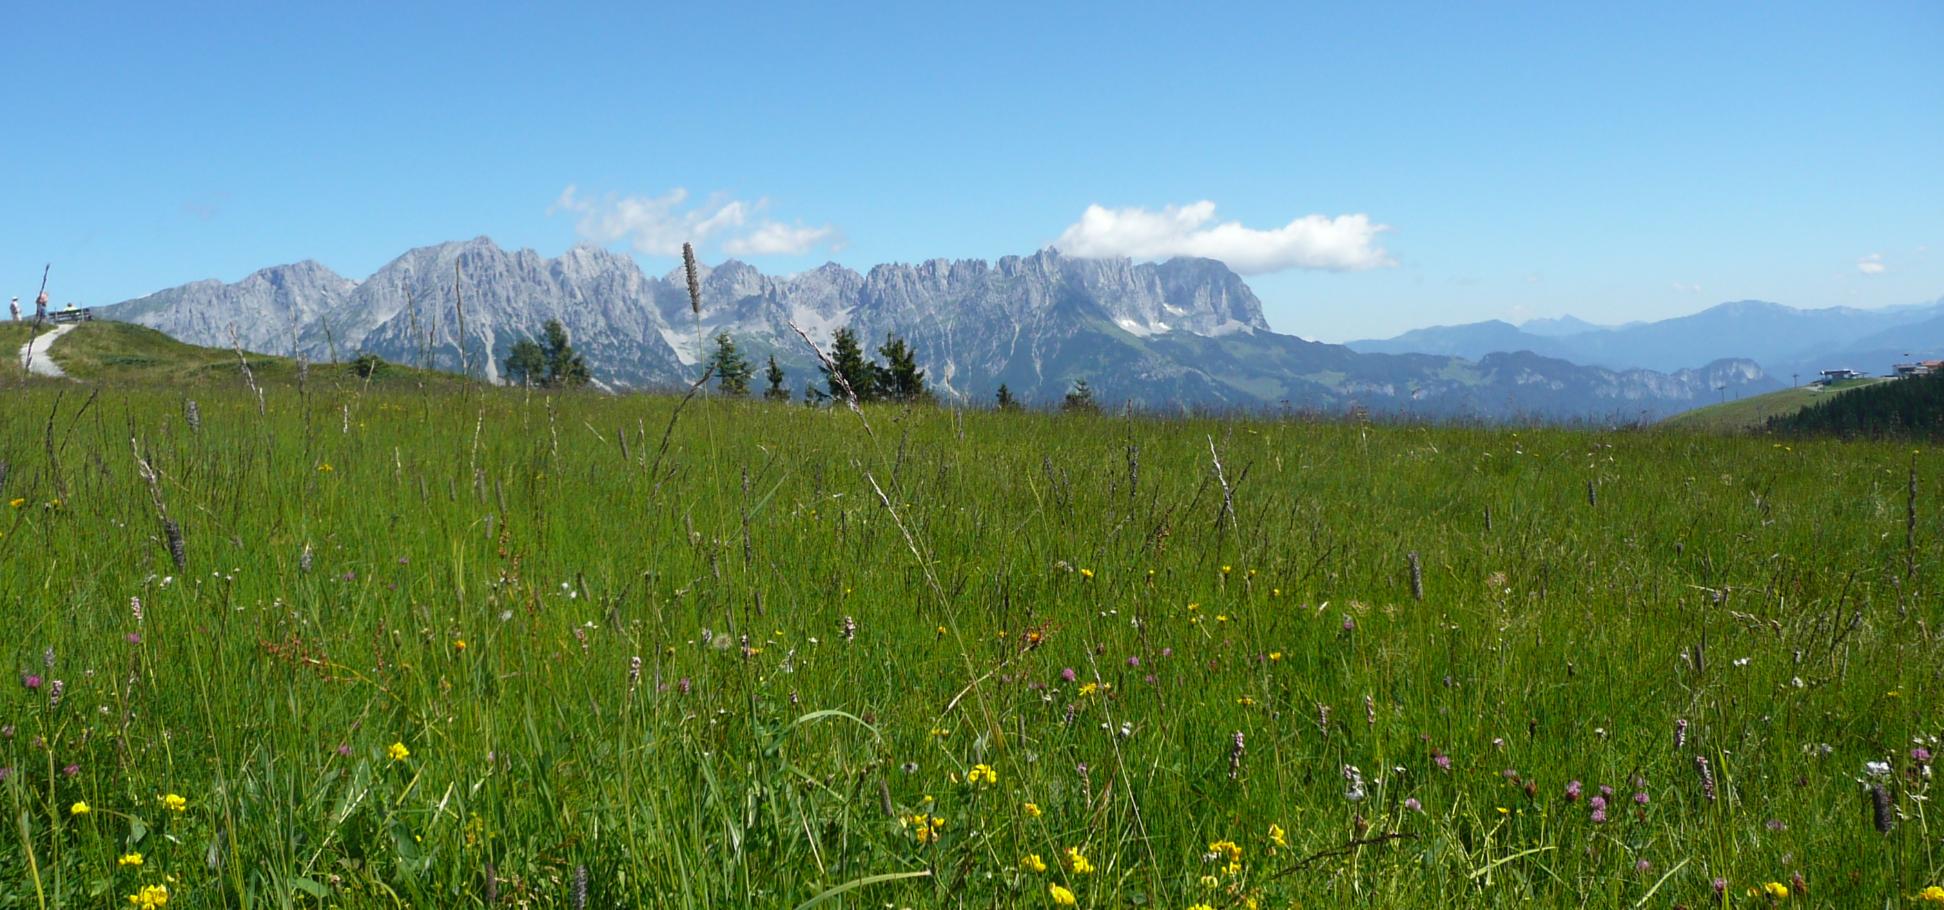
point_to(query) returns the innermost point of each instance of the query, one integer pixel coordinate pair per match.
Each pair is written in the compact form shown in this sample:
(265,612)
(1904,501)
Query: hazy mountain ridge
(1185,331)
(1784,340)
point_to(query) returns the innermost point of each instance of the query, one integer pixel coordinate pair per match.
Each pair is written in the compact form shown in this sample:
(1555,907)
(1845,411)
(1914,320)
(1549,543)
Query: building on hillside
(1907,370)
(1829,376)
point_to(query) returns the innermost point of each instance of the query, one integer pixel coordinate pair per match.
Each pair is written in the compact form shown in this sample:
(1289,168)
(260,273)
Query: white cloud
(776,239)
(659,225)
(1871,264)
(1686,288)
(1343,243)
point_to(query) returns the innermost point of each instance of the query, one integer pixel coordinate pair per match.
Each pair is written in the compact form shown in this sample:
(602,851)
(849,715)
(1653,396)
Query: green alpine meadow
(331,640)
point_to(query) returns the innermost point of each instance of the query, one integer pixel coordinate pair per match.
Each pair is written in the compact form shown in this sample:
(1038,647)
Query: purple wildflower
(1067,674)
(1640,798)
(1133,661)
(1413,805)
(31,681)
(71,771)
(1573,791)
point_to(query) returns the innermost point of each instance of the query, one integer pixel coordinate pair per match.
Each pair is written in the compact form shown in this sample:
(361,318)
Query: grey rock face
(1182,332)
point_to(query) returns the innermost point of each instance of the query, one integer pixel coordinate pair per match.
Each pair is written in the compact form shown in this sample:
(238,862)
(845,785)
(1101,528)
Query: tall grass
(620,676)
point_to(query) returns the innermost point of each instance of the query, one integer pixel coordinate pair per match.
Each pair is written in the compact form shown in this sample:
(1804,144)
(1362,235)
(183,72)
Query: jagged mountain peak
(1183,330)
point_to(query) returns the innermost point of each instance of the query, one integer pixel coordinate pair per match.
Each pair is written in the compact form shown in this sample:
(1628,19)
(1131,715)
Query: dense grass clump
(376,647)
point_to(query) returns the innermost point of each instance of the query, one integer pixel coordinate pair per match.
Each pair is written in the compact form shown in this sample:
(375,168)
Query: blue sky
(1378,167)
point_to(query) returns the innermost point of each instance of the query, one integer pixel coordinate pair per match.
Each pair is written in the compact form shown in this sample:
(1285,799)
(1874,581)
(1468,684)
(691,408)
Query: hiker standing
(15,307)
(40,307)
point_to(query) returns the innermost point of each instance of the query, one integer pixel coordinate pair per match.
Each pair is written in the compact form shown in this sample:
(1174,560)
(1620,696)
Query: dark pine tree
(1080,399)
(564,366)
(1006,400)
(776,391)
(899,379)
(851,367)
(731,368)
(526,363)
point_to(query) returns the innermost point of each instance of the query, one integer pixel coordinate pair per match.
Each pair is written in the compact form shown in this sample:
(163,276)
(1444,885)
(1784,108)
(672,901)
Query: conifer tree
(526,363)
(899,379)
(731,368)
(776,391)
(564,366)
(1080,399)
(851,367)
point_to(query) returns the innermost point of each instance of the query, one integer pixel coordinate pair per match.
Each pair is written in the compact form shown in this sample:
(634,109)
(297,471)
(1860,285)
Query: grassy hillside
(450,650)
(120,352)
(1754,412)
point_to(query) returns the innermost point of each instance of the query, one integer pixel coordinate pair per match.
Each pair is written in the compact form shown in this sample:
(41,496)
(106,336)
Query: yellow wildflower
(17,503)
(1275,656)
(174,803)
(1776,891)
(1226,570)
(1089,689)
(458,644)
(79,809)
(1200,907)
(150,897)
(1086,573)
(1031,862)
(1228,849)
(1277,835)
(1061,896)
(325,468)
(1210,882)
(129,859)
(1931,895)
(982,774)
(1032,809)
(398,752)
(1077,861)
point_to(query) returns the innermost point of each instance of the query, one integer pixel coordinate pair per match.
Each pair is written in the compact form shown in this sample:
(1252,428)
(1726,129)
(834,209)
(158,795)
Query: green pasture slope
(1753,412)
(485,648)
(121,352)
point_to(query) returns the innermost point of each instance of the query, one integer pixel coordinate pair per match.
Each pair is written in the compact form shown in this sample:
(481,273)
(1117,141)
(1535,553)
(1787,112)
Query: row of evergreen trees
(1911,407)
(552,362)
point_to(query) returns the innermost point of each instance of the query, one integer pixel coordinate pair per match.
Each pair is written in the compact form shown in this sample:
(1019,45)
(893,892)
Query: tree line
(552,362)
(1912,407)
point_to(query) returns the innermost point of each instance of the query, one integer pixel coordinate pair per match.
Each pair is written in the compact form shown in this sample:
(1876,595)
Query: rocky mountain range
(1186,332)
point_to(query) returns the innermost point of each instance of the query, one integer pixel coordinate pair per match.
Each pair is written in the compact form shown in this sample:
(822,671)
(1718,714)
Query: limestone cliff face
(1182,332)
